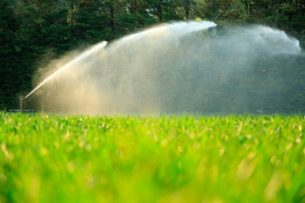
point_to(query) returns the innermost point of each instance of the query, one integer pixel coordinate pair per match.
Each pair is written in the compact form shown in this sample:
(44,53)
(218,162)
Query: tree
(31,28)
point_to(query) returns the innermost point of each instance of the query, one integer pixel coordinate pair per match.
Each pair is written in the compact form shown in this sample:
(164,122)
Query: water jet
(183,67)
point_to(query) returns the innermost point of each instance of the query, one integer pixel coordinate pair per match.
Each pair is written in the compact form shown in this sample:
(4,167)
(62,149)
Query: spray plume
(183,67)
(70,64)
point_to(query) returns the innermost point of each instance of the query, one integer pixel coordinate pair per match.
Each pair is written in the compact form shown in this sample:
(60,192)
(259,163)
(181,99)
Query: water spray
(92,50)
(182,67)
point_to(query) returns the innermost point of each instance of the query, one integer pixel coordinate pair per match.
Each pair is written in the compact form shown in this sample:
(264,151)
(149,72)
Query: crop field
(50,158)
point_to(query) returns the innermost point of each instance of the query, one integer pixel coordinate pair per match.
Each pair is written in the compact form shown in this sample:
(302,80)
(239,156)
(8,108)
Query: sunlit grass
(165,159)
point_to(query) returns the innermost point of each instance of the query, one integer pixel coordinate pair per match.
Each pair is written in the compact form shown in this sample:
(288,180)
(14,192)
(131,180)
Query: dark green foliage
(29,29)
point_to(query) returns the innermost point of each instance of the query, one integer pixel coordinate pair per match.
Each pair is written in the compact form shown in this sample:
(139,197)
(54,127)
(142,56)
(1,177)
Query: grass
(166,159)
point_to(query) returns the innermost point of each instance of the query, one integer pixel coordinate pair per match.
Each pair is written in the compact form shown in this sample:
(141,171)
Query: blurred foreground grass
(164,159)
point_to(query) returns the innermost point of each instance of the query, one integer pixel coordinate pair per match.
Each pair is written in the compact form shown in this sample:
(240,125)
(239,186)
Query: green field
(159,159)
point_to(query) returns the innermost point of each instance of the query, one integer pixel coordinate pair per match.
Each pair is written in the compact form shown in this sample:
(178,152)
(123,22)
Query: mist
(181,68)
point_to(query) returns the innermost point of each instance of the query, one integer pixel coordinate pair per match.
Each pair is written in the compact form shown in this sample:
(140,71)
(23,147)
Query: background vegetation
(35,29)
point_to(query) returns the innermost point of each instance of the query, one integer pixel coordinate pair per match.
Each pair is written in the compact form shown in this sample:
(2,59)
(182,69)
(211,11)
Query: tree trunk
(159,12)
(187,6)
(112,23)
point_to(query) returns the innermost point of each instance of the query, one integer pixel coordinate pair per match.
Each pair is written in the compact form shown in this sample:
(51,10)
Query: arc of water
(86,54)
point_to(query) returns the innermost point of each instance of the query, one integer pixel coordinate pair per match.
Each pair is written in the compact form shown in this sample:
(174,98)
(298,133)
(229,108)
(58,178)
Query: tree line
(32,29)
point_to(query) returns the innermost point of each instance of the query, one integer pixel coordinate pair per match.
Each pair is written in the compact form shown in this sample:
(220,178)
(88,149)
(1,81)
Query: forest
(31,30)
